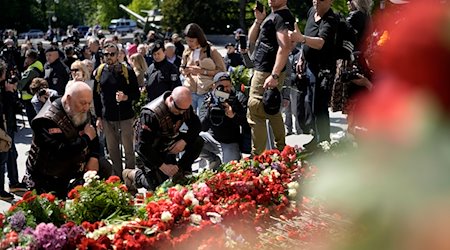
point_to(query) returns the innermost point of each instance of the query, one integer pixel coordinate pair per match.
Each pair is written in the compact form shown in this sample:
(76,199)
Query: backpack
(99,71)
(345,39)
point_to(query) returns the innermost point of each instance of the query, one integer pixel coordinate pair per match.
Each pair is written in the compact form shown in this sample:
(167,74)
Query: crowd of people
(79,99)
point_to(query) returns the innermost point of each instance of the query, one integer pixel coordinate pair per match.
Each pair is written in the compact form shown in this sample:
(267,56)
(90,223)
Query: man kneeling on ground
(160,140)
(64,144)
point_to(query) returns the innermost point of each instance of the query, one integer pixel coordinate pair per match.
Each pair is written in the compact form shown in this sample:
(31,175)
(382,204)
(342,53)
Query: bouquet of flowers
(98,200)
(215,209)
(33,209)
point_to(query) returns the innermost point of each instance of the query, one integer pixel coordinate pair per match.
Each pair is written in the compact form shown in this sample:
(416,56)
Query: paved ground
(23,136)
(23,140)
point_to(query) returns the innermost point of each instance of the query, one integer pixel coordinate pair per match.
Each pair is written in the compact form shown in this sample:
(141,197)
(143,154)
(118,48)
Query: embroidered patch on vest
(54,131)
(145,127)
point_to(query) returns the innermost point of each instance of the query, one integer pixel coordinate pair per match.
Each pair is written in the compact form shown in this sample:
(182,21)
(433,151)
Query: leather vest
(41,160)
(169,130)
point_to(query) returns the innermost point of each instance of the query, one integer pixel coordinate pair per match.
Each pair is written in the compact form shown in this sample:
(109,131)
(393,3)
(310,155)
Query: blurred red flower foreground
(215,210)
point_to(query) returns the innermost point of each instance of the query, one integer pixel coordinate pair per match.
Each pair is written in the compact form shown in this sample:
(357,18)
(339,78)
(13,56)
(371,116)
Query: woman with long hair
(139,65)
(199,80)
(359,18)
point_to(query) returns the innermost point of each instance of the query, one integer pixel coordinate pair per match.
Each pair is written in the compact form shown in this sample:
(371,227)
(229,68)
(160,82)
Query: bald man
(64,143)
(160,140)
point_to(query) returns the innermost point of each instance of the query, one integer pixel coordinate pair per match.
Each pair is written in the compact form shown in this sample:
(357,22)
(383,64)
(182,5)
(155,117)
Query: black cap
(271,101)
(52,48)
(156,46)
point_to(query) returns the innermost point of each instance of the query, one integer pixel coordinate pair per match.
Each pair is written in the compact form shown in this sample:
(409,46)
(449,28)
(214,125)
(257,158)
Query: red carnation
(113,179)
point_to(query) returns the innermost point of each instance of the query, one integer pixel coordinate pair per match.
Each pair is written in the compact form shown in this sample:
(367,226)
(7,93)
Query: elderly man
(160,140)
(94,48)
(64,143)
(171,56)
(269,36)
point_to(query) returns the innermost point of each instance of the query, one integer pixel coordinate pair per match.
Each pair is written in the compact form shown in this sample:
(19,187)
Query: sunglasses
(74,70)
(109,54)
(177,107)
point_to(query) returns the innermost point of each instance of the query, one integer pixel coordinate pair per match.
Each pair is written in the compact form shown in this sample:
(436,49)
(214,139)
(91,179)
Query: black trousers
(316,105)
(150,177)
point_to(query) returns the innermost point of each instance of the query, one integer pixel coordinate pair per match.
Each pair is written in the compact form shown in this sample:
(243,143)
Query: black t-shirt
(326,29)
(267,46)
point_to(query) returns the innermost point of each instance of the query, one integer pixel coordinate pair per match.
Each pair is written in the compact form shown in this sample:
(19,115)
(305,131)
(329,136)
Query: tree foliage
(25,14)
(107,10)
(138,5)
(210,15)
(214,16)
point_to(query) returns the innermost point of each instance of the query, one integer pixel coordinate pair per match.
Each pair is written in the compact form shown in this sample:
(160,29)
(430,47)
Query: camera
(216,110)
(13,79)
(351,74)
(42,92)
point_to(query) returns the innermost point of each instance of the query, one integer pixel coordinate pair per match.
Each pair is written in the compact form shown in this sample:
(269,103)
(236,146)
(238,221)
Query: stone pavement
(23,140)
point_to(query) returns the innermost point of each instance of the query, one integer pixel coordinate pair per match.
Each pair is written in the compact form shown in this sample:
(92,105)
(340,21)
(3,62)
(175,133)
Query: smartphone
(259,6)
(242,41)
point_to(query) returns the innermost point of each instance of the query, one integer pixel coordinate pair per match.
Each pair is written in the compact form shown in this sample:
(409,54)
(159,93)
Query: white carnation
(166,216)
(196,219)
(189,195)
(325,145)
(293,185)
(292,193)
(214,217)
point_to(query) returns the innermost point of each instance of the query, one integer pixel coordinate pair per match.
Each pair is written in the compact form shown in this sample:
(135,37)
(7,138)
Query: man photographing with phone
(268,37)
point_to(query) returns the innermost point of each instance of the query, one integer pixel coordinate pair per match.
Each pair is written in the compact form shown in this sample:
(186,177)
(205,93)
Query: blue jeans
(197,102)
(216,152)
(3,159)
(291,110)
(11,163)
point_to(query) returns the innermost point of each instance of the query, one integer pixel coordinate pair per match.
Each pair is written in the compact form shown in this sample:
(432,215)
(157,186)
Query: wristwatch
(275,76)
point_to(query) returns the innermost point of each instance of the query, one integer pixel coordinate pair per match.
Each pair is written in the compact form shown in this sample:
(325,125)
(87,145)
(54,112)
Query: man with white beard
(65,144)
